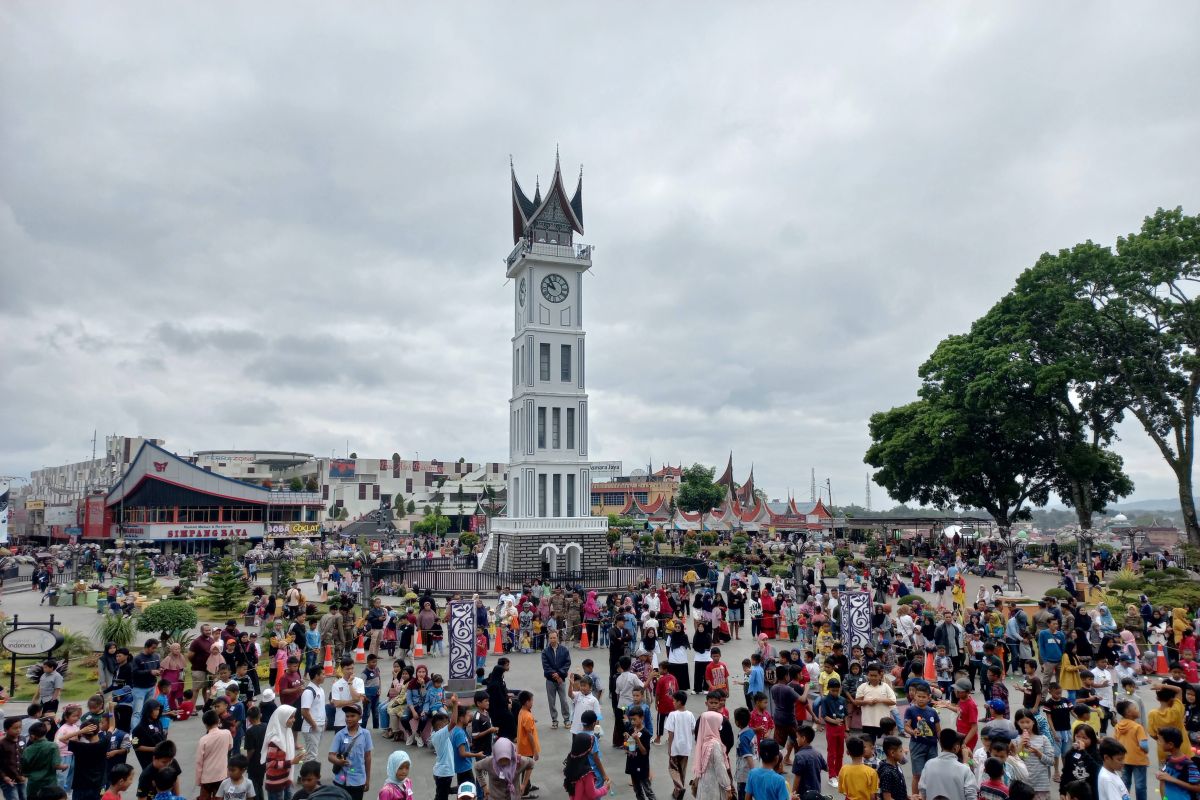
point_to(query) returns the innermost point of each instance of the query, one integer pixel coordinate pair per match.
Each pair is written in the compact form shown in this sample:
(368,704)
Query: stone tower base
(553,546)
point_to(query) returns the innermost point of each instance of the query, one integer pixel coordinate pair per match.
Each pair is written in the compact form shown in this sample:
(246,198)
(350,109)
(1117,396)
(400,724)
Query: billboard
(3,512)
(341,468)
(604,471)
(62,516)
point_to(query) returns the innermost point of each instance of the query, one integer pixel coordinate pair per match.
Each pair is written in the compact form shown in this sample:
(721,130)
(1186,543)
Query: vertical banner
(3,512)
(461,629)
(855,609)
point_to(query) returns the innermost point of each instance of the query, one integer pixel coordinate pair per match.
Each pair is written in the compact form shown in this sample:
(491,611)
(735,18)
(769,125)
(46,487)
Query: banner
(855,608)
(341,468)
(3,512)
(461,630)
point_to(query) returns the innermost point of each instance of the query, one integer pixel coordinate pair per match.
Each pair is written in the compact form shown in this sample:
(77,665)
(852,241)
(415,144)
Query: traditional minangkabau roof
(726,478)
(526,211)
(745,494)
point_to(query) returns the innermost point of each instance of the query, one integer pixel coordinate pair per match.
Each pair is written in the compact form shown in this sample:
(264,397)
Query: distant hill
(1170,506)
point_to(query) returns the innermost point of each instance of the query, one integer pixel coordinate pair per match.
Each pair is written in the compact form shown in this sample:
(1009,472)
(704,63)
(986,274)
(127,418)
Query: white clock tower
(549,529)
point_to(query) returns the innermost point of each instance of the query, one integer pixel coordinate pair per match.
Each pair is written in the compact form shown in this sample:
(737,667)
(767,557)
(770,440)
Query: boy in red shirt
(717,672)
(761,721)
(665,686)
(967,722)
(1191,671)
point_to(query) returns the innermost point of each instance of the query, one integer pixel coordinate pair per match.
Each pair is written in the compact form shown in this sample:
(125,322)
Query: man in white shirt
(582,699)
(347,690)
(312,711)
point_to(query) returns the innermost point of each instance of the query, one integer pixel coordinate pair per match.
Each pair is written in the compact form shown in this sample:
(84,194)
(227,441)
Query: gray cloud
(286,229)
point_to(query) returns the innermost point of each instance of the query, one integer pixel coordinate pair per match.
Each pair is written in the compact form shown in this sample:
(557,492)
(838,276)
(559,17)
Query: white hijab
(279,733)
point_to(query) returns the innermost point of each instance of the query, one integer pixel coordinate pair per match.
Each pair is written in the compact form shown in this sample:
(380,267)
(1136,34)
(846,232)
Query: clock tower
(549,529)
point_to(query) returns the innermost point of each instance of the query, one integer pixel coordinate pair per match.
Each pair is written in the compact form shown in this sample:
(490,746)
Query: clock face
(521,291)
(554,288)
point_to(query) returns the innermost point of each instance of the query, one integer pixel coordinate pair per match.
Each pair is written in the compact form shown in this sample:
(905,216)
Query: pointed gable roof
(746,493)
(726,478)
(526,211)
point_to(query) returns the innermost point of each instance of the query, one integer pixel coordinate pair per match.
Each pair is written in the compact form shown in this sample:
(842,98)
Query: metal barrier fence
(474,582)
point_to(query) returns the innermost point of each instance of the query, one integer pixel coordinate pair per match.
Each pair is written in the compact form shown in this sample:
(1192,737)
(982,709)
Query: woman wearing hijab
(148,733)
(107,666)
(711,776)
(396,785)
(279,754)
(701,644)
(591,617)
(173,667)
(500,707)
(506,773)
(677,654)
(577,770)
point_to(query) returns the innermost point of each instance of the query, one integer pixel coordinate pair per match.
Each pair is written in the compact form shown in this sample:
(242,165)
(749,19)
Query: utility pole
(812,486)
(868,493)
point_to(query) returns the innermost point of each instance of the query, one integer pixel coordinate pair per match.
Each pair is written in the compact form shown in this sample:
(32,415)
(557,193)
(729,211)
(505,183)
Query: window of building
(641,497)
(541,495)
(544,358)
(614,498)
(339,503)
(570,495)
(558,495)
(249,470)
(325,492)
(570,429)
(564,366)
(595,498)
(408,485)
(387,500)
(362,491)
(542,427)
(375,492)
(555,428)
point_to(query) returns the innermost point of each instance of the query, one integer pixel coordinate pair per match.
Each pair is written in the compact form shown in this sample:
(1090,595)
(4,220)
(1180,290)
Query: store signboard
(199,530)
(293,528)
(341,468)
(61,515)
(35,505)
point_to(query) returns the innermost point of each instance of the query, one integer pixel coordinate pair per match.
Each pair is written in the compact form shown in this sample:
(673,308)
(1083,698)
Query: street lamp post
(1010,559)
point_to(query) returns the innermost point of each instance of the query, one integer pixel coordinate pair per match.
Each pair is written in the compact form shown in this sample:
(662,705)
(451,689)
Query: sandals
(553,726)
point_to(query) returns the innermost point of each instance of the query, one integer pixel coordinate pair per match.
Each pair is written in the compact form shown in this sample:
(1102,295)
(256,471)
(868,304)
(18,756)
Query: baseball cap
(963,685)
(466,789)
(999,706)
(268,696)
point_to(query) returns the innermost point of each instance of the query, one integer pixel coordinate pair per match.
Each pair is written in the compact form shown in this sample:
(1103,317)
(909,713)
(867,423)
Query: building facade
(549,527)
(619,495)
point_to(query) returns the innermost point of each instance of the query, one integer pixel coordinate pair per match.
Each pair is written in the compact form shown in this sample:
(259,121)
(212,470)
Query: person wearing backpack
(312,713)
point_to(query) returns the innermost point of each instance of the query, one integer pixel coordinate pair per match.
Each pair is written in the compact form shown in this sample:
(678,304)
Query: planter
(92,595)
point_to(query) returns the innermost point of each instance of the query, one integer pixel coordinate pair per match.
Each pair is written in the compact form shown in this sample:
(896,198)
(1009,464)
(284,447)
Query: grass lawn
(80,685)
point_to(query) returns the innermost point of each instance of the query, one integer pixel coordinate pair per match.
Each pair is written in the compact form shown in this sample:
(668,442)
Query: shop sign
(35,505)
(293,528)
(31,641)
(202,530)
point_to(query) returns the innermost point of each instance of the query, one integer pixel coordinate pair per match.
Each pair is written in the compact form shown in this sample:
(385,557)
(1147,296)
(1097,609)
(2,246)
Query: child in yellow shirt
(856,780)
(1169,714)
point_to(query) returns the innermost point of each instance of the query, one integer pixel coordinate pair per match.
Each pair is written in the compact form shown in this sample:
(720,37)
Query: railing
(582,252)
(650,560)
(516,525)
(444,581)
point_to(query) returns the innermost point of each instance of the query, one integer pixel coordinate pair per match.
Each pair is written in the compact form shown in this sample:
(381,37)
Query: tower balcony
(566,252)
(534,525)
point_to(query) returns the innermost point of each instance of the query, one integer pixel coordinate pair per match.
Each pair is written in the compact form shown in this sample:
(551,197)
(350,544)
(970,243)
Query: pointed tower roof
(726,478)
(526,211)
(746,493)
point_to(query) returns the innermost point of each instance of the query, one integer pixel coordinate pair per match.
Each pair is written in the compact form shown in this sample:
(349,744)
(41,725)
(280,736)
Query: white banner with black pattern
(461,625)
(855,609)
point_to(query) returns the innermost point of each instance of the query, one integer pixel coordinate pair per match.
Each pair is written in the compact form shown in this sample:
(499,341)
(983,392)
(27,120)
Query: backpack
(329,792)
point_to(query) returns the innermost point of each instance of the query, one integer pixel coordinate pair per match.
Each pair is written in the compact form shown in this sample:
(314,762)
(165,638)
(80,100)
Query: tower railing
(581,252)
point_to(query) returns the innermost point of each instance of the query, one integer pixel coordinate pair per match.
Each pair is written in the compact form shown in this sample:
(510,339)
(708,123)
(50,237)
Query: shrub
(708,538)
(468,540)
(1058,593)
(781,570)
(171,618)
(909,599)
(116,628)
(613,536)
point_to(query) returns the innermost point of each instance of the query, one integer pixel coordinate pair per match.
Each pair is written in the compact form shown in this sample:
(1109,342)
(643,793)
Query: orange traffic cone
(418,650)
(360,655)
(1160,667)
(328,659)
(498,644)
(930,670)
(584,644)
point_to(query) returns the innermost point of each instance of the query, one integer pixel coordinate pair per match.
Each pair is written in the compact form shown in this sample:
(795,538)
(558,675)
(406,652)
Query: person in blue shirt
(460,740)
(443,751)
(766,782)
(1051,644)
(757,682)
(747,750)
(350,755)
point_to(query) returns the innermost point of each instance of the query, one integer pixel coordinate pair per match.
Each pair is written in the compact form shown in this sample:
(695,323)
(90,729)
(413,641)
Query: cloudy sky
(283,227)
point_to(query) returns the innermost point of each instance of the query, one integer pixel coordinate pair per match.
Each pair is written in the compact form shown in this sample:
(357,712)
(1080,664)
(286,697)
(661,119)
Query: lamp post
(1010,561)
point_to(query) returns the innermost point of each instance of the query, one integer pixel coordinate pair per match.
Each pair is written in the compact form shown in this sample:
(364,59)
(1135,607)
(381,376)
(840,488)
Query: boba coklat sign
(31,641)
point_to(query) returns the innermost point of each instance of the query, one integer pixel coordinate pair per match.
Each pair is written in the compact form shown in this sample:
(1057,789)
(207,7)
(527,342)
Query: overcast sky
(283,226)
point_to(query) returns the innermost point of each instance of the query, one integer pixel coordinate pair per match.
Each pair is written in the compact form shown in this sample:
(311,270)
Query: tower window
(542,427)
(541,495)
(544,357)
(555,427)
(570,495)
(570,429)
(558,495)
(565,363)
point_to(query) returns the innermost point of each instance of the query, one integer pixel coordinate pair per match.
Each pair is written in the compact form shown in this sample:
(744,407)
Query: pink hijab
(590,609)
(1130,642)
(708,738)
(504,748)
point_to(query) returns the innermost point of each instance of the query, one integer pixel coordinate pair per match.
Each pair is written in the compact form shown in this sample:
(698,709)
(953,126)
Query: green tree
(310,485)
(697,492)
(188,572)
(398,507)
(412,506)
(143,578)
(227,589)
(296,485)
(287,573)
(432,523)
(171,618)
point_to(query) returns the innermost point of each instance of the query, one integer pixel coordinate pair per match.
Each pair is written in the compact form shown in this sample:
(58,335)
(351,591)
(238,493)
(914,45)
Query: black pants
(642,787)
(444,786)
(700,682)
(465,777)
(618,729)
(355,792)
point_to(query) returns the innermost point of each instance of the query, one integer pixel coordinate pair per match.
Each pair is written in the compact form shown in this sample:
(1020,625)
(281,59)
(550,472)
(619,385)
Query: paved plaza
(524,674)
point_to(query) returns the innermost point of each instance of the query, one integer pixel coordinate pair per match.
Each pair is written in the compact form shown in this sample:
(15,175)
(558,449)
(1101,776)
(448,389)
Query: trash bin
(92,595)
(101,605)
(53,594)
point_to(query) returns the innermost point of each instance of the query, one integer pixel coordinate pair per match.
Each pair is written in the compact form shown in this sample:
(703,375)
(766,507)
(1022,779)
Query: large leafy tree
(1127,333)
(697,492)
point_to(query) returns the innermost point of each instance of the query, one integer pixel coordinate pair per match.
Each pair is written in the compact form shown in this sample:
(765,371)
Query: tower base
(547,546)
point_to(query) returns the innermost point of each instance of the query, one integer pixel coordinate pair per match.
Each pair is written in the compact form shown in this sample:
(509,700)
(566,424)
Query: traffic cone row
(360,655)
(328,659)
